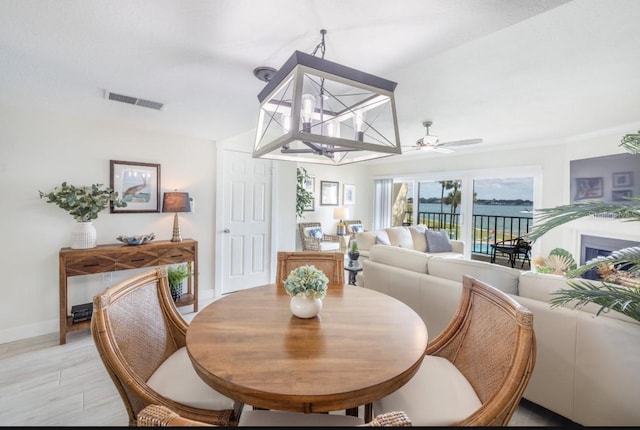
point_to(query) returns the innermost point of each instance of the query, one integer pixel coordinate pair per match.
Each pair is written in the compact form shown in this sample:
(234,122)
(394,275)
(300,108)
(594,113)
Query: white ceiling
(508,71)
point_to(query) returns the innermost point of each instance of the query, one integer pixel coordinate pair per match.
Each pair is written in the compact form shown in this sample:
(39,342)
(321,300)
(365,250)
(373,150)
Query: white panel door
(246,222)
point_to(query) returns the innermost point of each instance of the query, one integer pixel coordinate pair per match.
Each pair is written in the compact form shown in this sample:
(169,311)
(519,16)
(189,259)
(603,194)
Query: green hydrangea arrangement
(306,280)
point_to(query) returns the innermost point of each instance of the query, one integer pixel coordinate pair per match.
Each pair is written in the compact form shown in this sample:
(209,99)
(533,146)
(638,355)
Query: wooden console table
(114,257)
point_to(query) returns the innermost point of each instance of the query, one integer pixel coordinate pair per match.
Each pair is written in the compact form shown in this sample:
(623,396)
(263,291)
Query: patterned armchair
(313,239)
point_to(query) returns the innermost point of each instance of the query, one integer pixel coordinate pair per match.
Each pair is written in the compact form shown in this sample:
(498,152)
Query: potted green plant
(354,253)
(307,286)
(622,298)
(83,204)
(176,275)
(303,197)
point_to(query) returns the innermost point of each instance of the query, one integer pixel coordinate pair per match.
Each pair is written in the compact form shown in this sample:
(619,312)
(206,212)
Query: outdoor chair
(475,372)
(141,338)
(515,249)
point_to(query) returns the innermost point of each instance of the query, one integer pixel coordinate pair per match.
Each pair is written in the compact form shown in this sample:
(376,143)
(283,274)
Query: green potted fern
(176,275)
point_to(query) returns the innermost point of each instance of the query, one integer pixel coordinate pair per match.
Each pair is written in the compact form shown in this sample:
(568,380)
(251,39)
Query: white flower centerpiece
(307,286)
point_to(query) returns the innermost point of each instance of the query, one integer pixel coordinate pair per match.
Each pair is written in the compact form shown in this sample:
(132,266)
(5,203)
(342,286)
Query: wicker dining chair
(475,371)
(140,336)
(161,416)
(331,264)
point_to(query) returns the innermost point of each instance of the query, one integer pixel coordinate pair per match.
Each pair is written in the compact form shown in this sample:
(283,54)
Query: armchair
(353,226)
(313,239)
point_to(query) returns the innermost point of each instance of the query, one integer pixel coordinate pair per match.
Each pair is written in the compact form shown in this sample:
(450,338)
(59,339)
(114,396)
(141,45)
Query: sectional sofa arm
(457,246)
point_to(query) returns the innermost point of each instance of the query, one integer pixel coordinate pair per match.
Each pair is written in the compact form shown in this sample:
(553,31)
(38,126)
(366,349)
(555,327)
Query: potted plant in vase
(176,275)
(353,251)
(83,204)
(307,286)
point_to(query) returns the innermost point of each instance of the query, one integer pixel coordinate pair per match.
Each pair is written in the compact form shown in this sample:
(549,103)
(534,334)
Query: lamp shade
(176,202)
(340,213)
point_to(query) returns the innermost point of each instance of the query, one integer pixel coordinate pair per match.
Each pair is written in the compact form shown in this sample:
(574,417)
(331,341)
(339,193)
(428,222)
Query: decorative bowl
(137,240)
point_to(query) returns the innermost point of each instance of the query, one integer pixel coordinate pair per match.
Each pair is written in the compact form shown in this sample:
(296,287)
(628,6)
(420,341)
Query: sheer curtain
(382,192)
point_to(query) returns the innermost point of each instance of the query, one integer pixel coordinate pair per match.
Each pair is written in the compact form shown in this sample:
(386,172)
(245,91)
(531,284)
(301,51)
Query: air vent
(134,101)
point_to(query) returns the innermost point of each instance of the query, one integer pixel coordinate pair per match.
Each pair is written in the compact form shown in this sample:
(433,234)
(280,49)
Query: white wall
(40,150)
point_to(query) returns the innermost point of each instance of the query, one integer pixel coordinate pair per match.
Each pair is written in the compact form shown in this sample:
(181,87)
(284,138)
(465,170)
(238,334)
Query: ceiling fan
(430,142)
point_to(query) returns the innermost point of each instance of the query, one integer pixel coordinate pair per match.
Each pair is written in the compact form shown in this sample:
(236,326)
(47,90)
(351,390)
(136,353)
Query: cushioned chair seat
(291,419)
(445,395)
(177,380)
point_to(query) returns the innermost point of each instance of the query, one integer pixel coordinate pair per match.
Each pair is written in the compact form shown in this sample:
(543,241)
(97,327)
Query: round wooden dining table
(362,346)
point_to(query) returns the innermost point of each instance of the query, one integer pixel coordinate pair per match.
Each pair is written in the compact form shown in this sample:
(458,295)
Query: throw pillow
(316,233)
(437,241)
(382,241)
(356,228)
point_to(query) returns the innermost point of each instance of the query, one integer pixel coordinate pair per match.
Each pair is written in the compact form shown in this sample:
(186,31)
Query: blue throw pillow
(437,241)
(382,241)
(356,228)
(316,233)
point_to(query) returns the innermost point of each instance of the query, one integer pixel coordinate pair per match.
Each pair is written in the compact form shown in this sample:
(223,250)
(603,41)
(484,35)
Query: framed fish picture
(137,184)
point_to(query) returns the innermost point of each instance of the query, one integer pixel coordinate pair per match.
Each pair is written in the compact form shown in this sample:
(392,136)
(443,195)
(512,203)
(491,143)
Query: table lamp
(176,202)
(340,213)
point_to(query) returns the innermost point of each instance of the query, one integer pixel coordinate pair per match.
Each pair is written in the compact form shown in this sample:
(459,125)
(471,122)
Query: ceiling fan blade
(442,150)
(460,142)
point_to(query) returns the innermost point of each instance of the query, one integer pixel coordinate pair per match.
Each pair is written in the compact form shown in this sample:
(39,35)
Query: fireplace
(596,246)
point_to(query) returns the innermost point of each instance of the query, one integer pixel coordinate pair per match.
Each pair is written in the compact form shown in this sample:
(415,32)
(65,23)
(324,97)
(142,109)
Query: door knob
(226,230)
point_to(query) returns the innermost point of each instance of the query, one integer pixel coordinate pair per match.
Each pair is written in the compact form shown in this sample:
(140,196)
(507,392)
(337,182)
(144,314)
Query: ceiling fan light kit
(317,111)
(429,142)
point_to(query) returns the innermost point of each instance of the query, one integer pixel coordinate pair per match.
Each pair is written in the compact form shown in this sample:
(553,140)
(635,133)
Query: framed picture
(349,194)
(309,183)
(622,179)
(329,193)
(311,206)
(619,195)
(138,184)
(588,188)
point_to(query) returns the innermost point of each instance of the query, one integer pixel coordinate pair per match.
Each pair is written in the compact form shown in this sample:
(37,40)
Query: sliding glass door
(477,207)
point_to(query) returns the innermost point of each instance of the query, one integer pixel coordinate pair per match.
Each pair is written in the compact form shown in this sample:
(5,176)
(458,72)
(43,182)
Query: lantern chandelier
(316,111)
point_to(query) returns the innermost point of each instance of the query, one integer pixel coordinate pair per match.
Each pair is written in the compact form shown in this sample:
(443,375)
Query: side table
(353,267)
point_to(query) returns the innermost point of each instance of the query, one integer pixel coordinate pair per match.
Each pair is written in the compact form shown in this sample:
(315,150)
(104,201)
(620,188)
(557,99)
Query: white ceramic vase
(304,306)
(83,235)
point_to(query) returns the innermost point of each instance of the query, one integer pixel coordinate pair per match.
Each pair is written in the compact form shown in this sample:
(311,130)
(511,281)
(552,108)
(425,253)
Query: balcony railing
(488,229)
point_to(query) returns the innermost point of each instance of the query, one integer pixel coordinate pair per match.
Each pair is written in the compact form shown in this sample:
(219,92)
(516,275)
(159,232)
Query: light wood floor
(43,383)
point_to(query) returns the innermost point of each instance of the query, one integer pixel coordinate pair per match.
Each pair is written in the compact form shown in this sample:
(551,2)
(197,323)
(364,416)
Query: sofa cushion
(418,237)
(502,278)
(437,241)
(366,239)
(402,258)
(400,236)
(539,286)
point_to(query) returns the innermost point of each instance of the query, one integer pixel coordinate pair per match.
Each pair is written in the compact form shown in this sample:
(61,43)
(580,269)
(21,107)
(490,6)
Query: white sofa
(586,366)
(409,237)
